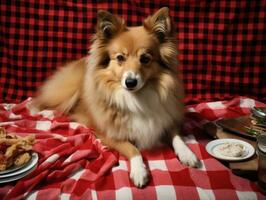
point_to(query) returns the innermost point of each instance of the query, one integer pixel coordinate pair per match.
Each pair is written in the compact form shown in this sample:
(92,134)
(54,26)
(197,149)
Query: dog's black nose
(131,83)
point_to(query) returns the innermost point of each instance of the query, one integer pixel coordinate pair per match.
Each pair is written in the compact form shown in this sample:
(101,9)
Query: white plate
(15,168)
(12,169)
(212,146)
(23,170)
(14,178)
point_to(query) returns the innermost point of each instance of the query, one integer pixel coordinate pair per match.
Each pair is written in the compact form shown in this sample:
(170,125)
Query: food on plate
(14,150)
(22,159)
(231,149)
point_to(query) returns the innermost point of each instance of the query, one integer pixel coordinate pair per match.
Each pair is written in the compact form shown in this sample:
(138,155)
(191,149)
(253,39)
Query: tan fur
(62,90)
(90,89)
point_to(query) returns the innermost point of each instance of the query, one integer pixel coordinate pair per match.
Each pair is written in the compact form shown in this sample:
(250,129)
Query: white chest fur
(147,117)
(145,131)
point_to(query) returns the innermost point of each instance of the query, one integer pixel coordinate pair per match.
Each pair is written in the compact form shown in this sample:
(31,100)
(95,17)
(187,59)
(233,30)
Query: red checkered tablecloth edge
(74,165)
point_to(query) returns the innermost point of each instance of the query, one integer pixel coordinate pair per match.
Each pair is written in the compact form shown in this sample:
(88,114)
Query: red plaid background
(222,43)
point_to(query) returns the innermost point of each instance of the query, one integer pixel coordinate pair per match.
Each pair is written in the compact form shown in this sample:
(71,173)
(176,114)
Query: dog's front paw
(138,173)
(187,157)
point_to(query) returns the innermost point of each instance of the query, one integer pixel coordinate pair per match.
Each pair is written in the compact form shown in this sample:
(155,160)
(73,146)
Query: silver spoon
(259,112)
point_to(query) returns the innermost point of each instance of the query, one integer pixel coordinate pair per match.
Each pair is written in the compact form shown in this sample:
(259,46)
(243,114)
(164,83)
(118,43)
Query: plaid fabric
(73,165)
(222,43)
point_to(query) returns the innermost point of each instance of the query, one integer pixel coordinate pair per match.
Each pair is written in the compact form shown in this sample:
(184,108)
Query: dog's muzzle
(131,81)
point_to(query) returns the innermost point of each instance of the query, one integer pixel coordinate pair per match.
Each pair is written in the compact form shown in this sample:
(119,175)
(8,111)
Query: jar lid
(261,142)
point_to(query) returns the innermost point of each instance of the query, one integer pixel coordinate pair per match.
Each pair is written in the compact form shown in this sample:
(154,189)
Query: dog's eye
(120,58)
(144,59)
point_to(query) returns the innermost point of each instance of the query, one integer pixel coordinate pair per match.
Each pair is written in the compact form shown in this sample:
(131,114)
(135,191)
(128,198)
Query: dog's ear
(159,24)
(108,24)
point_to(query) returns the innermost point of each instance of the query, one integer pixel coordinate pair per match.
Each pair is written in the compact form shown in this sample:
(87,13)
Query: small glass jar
(261,151)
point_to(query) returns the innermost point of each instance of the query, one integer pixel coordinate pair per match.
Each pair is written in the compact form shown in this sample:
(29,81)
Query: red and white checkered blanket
(74,165)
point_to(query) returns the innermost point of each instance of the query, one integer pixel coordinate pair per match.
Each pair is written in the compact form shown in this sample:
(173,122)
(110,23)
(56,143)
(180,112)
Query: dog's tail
(62,90)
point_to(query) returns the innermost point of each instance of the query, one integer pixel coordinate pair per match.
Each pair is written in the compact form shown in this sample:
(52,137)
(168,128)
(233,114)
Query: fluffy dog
(127,88)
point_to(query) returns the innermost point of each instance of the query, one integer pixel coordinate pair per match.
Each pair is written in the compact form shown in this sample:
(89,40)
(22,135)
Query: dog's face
(133,58)
(130,57)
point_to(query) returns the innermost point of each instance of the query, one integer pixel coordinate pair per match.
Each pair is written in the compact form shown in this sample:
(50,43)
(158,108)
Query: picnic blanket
(73,164)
